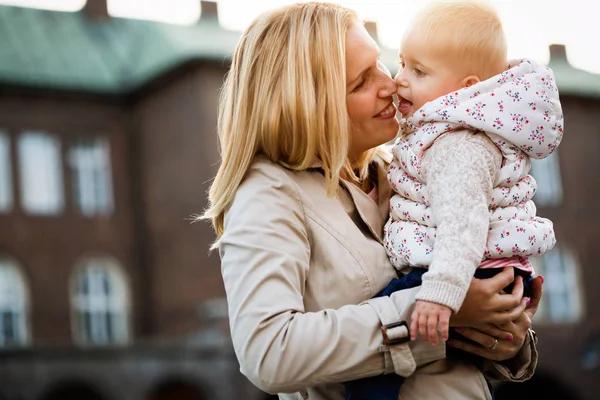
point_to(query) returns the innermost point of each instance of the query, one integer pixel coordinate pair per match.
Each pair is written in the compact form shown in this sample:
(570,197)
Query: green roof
(69,51)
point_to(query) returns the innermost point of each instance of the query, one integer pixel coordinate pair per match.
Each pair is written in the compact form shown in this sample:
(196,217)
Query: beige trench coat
(300,270)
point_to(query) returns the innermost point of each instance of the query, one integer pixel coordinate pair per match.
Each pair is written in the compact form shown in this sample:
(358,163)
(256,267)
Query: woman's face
(369,93)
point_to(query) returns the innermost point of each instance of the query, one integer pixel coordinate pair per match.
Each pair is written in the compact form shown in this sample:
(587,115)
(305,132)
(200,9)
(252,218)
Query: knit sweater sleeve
(459,170)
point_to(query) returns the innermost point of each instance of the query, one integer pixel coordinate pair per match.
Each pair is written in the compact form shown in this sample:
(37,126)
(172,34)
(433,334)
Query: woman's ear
(470,81)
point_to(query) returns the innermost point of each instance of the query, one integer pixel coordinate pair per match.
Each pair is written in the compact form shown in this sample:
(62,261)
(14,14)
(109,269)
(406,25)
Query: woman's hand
(510,337)
(486,303)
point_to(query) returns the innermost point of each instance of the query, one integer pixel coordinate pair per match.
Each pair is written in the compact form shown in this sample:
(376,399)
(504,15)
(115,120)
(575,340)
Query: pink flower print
(515,96)
(558,127)
(419,236)
(475,94)
(543,96)
(537,134)
(444,115)
(500,106)
(527,149)
(515,249)
(548,82)
(547,116)
(522,82)
(451,100)
(498,124)
(430,129)
(519,121)
(499,249)
(532,240)
(521,230)
(477,111)
(533,106)
(504,77)
(487,254)
(504,235)
(552,146)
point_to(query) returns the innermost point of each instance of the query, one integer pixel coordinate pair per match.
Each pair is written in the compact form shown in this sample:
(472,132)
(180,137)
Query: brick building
(107,147)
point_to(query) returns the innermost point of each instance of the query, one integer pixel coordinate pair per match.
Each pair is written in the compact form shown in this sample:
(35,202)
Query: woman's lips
(388,112)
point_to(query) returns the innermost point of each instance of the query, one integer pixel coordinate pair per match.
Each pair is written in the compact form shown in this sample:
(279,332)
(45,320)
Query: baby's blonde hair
(285,97)
(469,31)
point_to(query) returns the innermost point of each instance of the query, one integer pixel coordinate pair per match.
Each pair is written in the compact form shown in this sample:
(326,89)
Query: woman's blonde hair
(469,30)
(285,97)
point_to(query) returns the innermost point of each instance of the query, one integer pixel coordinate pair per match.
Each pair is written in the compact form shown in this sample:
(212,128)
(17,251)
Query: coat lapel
(372,214)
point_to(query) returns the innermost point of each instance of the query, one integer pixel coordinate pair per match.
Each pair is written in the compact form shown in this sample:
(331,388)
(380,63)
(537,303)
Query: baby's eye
(418,72)
(401,63)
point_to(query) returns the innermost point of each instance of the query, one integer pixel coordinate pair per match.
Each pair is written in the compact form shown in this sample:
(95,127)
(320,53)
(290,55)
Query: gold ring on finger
(494,345)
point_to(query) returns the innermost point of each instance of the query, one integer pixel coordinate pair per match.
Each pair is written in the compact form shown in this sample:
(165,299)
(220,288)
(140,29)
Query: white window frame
(562,302)
(41,173)
(100,316)
(91,176)
(6,181)
(14,300)
(546,173)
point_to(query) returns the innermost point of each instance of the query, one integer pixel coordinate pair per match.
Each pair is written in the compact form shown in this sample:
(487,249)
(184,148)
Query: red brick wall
(177,128)
(48,248)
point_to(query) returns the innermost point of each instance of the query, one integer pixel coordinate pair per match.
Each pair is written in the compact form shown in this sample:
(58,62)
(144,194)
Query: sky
(530,25)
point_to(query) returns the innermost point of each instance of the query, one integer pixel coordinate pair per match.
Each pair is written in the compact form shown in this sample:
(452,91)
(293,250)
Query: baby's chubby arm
(459,169)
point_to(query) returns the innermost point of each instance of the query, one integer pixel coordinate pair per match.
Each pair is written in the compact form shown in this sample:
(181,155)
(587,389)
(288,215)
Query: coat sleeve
(519,368)
(265,259)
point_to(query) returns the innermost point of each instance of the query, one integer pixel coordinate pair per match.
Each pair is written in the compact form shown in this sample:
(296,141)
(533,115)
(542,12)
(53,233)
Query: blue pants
(387,387)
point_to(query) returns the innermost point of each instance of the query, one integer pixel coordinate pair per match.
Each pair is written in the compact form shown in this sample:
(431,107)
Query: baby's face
(426,73)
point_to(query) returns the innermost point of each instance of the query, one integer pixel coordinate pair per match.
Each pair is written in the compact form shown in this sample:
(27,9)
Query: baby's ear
(470,81)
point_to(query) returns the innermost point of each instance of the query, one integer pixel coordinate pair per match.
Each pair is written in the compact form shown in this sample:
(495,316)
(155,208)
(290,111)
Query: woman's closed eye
(359,85)
(364,80)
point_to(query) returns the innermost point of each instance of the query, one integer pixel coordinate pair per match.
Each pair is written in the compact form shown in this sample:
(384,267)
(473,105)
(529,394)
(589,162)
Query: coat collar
(373,215)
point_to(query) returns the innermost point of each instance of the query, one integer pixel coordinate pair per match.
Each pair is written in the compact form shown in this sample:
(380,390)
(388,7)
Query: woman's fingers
(504,317)
(501,280)
(487,346)
(482,338)
(501,332)
(507,301)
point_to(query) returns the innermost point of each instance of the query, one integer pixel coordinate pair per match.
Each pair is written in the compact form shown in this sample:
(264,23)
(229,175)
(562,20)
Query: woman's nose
(388,88)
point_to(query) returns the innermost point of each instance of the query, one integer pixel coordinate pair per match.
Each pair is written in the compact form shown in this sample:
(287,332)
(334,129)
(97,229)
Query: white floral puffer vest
(520,112)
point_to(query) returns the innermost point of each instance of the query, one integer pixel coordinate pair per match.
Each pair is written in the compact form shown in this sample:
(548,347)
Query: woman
(298,205)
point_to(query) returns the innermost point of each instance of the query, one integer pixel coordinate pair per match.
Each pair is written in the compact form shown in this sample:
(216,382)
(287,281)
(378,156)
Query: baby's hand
(425,320)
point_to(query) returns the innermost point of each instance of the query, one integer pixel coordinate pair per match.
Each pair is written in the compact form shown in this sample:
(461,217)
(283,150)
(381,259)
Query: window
(13,305)
(91,176)
(562,299)
(547,175)
(41,173)
(100,304)
(6,194)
